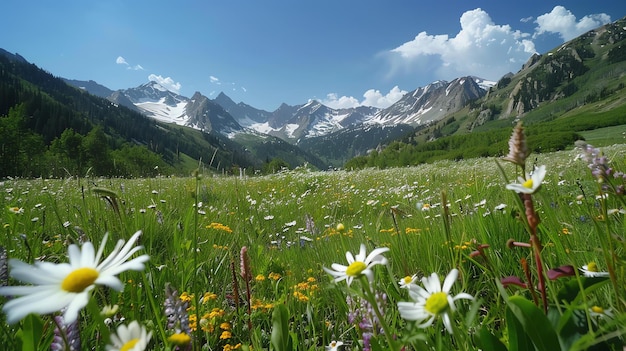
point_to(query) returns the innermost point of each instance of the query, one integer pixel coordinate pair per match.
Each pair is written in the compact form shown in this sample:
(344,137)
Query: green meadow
(276,295)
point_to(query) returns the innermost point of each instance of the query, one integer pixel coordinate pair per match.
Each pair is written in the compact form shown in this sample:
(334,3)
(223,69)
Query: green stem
(155,311)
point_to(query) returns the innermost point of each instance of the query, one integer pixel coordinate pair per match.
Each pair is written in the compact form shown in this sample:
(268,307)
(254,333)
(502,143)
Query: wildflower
(179,339)
(274,276)
(109,311)
(358,265)
(133,337)
(225,335)
(334,345)
(531,184)
(591,270)
(176,311)
(518,150)
(68,285)
(4,269)
(16,210)
(341,228)
(431,301)
(361,313)
(407,281)
(597,311)
(66,336)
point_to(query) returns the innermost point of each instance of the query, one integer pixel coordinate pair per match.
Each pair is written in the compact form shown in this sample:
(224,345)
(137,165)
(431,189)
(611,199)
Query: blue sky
(343,53)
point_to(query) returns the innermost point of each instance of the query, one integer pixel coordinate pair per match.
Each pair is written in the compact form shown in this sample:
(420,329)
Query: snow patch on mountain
(163,112)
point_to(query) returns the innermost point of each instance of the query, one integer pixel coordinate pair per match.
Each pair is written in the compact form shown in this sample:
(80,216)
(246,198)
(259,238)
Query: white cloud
(336,102)
(121,61)
(480,48)
(214,80)
(562,22)
(526,19)
(168,83)
(371,98)
(376,99)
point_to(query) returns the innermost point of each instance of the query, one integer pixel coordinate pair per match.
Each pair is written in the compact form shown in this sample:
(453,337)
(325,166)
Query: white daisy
(406,282)
(68,285)
(591,270)
(531,184)
(431,301)
(133,337)
(334,345)
(358,265)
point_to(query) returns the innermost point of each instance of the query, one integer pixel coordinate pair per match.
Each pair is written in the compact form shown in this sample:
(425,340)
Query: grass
(295,223)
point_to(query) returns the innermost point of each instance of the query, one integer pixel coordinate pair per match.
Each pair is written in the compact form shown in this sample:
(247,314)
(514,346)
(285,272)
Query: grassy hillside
(560,97)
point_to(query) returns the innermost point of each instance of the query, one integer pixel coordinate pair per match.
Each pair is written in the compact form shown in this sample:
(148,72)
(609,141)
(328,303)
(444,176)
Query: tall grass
(295,223)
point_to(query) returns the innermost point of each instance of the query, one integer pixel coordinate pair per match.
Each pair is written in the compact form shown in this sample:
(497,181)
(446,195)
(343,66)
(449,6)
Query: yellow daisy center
(179,339)
(355,268)
(597,309)
(592,267)
(437,303)
(528,184)
(129,345)
(79,279)
(408,279)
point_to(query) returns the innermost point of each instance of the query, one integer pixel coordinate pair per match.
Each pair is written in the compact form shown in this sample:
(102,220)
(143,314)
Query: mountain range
(291,123)
(548,87)
(305,125)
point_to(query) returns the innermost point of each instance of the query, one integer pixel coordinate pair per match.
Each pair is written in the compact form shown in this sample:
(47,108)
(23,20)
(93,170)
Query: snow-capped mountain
(244,114)
(292,123)
(155,101)
(432,102)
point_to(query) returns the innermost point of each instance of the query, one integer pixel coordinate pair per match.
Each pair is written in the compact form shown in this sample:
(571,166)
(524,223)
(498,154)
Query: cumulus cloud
(168,83)
(371,98)
(121,61)
(562,22)
(480,48)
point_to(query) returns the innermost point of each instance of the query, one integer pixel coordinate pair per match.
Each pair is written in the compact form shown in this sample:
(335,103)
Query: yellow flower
(219,226)
(274,276)
(186,297)
(259,278)
(208,296)
(179,339)
(225,326)
(229,347)
(225,335)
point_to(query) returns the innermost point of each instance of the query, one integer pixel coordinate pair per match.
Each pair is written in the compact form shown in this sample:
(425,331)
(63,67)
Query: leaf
(571,325)
(569,292)
(488,341)
(518,339)
(534,322)
(280,328)
(32,330)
